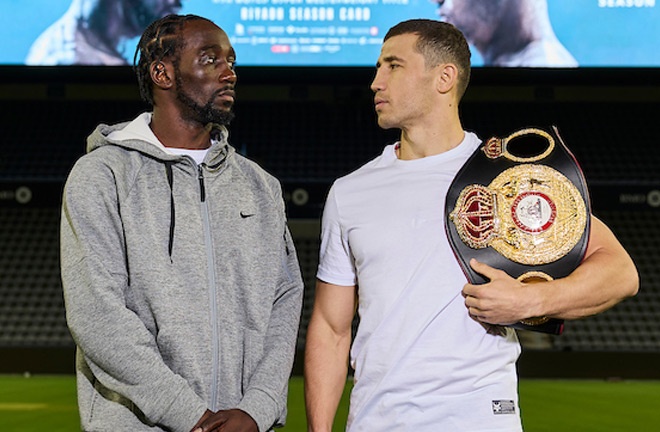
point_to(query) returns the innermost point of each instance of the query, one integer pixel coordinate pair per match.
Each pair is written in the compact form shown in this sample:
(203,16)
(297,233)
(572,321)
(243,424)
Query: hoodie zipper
(210,257)
(202,190)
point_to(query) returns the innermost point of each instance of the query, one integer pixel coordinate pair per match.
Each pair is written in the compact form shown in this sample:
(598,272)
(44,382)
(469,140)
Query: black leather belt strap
(520,204)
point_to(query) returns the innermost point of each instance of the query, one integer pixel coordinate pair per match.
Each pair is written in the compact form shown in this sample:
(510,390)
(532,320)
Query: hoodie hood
(137,135)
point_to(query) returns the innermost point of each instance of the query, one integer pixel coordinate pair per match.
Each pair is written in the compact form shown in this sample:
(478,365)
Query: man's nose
(228,75)
(376,84)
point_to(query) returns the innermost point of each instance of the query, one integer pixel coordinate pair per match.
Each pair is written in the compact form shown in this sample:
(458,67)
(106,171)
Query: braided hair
(161,39)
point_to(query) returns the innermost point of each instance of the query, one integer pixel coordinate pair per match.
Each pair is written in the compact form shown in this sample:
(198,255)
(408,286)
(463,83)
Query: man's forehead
(201,34)
(400,46)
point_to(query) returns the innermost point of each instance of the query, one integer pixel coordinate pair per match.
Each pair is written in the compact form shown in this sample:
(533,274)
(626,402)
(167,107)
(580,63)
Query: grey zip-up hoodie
(181,283)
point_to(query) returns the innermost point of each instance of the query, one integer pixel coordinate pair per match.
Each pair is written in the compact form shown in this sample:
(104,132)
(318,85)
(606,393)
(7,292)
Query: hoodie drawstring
(170,181)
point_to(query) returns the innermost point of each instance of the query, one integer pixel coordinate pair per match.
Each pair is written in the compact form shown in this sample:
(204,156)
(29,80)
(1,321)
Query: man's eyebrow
(217,47)
(390,59)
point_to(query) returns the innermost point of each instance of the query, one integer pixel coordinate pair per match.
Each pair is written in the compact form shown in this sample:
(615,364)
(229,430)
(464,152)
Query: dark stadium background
(307,127)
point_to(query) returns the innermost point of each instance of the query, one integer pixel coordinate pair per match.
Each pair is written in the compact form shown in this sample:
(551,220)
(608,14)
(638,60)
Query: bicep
(602,239)
(334,307)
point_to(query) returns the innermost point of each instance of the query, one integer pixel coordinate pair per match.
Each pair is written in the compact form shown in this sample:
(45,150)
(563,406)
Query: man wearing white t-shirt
(425,356)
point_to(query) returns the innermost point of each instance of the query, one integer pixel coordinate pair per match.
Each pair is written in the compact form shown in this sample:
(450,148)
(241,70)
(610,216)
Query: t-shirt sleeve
(336,265)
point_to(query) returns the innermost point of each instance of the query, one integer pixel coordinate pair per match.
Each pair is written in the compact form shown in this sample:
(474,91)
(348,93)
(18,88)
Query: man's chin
(384,124)
(222,118)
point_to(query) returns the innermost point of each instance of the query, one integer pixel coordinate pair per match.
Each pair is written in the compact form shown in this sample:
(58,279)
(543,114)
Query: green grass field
(48,403)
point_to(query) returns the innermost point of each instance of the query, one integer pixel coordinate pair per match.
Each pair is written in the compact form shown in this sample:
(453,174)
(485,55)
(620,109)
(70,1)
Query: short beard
(203,114)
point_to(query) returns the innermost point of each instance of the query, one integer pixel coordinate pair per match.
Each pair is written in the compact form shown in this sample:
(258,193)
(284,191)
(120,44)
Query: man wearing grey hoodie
(181,282)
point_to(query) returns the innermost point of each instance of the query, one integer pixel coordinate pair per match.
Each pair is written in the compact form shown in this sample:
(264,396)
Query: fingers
(485,270)
(474,311)
(473,303)
(232,420)
(199,426)
(502,300)
(482,299)
(212,423)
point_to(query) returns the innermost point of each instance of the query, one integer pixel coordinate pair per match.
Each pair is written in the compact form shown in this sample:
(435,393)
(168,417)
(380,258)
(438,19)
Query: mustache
(228,90)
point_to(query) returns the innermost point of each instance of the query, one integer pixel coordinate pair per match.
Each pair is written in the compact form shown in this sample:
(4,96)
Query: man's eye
(209,59)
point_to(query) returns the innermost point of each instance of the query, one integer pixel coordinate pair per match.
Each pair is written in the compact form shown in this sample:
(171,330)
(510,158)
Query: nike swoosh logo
(245,215)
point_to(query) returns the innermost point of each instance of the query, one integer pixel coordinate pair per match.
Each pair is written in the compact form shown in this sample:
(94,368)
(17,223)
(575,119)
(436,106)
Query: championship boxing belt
(520,204)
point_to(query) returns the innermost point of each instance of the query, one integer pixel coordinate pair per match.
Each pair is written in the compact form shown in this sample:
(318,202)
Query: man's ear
(447,77)
(160,75)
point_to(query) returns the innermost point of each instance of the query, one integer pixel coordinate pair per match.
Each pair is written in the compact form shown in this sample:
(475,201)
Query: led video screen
(502,33)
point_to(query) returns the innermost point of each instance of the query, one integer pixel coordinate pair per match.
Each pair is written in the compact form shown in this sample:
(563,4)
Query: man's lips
(227,95)
(379,102)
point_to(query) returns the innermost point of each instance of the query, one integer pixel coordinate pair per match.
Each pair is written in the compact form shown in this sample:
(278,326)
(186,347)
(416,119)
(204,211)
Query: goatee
(204,114)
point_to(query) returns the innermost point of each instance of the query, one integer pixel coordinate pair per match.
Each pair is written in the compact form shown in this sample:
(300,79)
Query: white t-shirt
(421,363)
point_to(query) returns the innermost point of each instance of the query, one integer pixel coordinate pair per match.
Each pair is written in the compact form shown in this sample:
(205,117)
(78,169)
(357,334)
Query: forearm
(167,401)
(326,368)
(109,334)
(164,397)
(601,281)
(266,391)
(112,351)
(605,277)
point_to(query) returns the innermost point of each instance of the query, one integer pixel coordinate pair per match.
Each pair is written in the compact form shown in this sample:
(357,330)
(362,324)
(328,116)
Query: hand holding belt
(522,208)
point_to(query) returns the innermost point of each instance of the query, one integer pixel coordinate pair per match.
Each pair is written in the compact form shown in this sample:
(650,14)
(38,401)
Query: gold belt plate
(530,213)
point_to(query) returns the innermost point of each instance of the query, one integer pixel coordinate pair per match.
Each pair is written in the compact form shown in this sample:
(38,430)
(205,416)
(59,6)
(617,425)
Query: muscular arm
(606,276)
(326,353)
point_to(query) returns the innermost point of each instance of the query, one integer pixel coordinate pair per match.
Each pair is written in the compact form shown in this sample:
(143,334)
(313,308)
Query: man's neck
(179,134)
(423,142)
